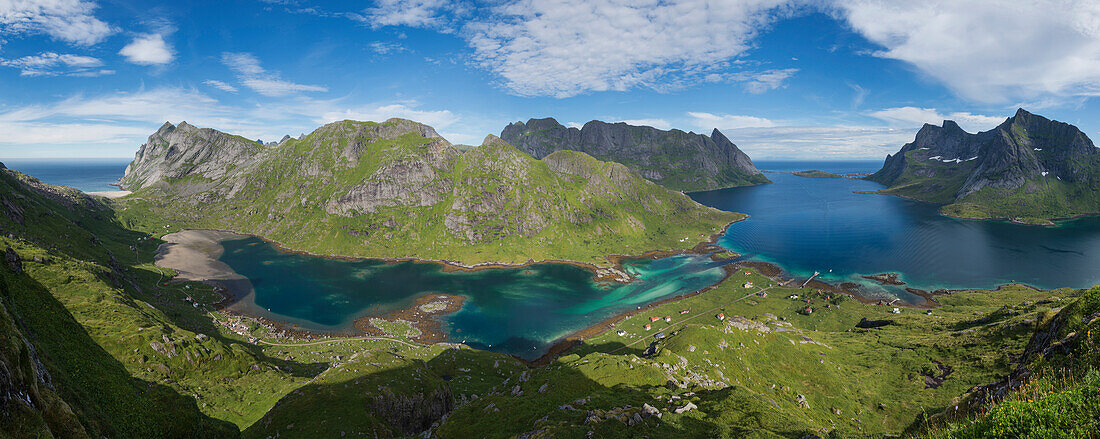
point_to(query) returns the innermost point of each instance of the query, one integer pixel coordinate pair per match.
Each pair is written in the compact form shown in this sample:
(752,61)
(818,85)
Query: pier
(810,279)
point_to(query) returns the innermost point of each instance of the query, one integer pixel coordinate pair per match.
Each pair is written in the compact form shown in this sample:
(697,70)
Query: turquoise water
(818,224)
(802,224)
(520,311)
(89,175)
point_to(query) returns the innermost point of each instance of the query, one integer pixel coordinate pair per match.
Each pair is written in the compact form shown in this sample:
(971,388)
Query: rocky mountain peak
(719,137)
(951,126)
(672,158)
(166,128)
(1026,152)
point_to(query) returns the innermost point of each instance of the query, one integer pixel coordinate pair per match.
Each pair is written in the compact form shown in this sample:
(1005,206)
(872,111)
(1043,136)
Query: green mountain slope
(61,287)
(766,371)
(397,189)
(674,159)
(1029,169)
(1054,390)
(128,356)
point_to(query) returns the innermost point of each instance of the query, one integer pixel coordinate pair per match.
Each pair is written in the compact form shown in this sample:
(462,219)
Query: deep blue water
(89,175)
(818,224)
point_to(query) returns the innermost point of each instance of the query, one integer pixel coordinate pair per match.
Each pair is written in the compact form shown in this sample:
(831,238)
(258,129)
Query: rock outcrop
(674,159)
(1029,166)
(375,185)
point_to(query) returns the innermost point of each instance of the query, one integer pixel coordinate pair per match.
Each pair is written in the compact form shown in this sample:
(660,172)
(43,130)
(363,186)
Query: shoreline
(1051,222)
(194,254)
(234,286)
(600,274)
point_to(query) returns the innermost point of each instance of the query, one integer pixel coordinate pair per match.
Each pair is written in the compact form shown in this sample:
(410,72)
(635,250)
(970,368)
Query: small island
(817,174)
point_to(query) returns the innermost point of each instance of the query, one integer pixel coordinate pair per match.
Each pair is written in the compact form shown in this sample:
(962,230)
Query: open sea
(88,175)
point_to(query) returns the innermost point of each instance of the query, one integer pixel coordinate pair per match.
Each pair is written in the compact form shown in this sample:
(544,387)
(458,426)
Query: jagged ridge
(1027,168)
(674,159)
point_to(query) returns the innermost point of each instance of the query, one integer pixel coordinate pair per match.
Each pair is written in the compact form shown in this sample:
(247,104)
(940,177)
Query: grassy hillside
(346,190)
(1054,391)
(66,321)
(129,356)
(768,370)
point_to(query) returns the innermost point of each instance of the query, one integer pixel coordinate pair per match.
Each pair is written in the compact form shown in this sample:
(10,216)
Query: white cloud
(915,117)
(220,85)
(120,118)
(386,48)
(119,122)
(566,47)
(989,51)
(53,64)
(817,143)
(66,20)
(760,82)
(413,13)
(255,77)
(148,50)
(710,121)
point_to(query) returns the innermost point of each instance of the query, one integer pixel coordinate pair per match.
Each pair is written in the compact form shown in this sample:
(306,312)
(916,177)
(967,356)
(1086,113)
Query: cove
(520,311)
(818,224)
(801,224)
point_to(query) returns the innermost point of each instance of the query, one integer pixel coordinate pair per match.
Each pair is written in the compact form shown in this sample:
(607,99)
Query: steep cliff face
(398,189)
(674,159)
(1027,167)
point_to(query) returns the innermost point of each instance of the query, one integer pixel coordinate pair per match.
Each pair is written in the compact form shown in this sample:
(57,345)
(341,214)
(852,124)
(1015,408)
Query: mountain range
(1029,169)
(674,159)
(398,189)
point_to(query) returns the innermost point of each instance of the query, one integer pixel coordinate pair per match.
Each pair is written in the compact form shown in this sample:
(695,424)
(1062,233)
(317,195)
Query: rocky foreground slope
(398,189)
(674,159)
(1029,168)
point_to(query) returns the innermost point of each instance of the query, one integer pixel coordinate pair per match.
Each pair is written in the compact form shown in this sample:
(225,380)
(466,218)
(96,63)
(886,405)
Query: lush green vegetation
(128,355)
(492,203)
(1036,202)
(1061,399)
(817,174)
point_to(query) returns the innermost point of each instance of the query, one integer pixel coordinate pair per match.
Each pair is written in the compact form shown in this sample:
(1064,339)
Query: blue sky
(816,79)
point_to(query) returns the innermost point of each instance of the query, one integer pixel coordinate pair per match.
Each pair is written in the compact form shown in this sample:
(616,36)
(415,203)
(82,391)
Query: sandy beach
(194,254)
(110,194)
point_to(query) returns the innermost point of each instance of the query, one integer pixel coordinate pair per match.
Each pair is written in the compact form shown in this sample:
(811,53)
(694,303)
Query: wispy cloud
(760,82)
(71,21)
(915,117)
(815,143)
(412,13)
(387,48)
(54,64)
(710,121)
(220,85)
(266,83)
(119,122)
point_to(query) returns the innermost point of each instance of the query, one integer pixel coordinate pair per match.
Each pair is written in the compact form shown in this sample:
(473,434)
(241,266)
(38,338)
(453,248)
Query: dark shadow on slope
(108,401)
(558,401)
